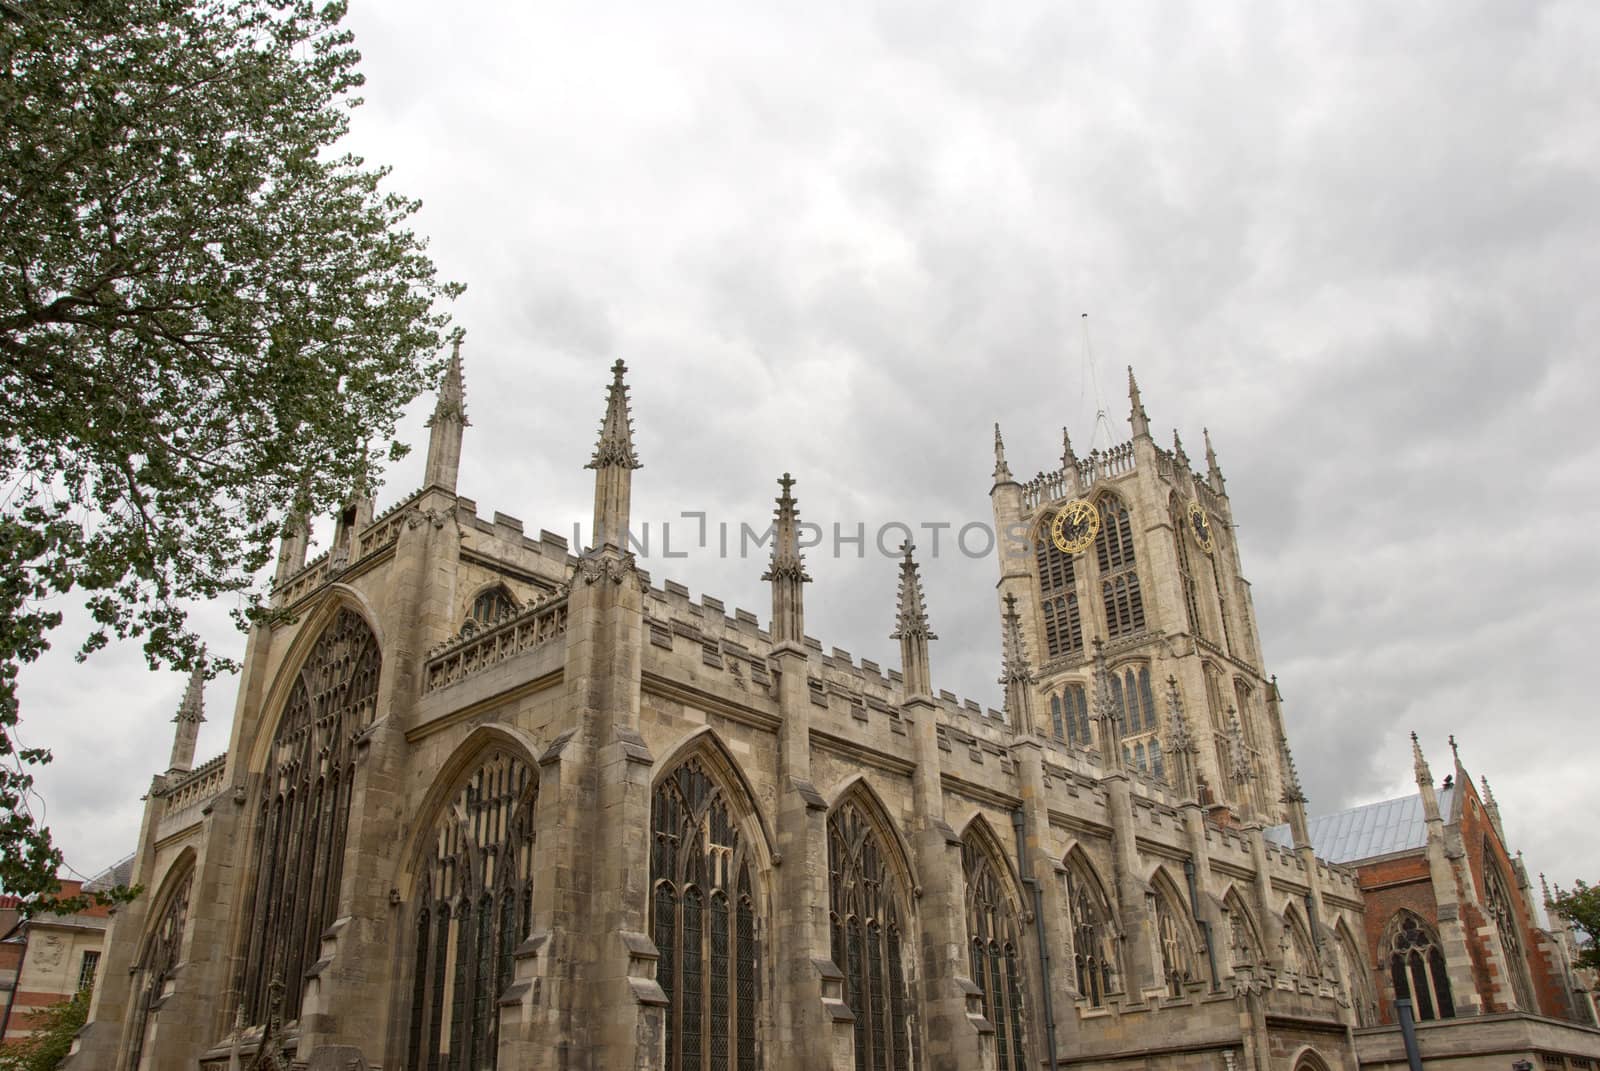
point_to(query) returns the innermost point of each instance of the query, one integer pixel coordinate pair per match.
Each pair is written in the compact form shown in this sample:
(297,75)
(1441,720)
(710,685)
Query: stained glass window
(995,948)
(1416,966)
(303,814)
(865,896)
(703,919)
(162,951)
(474,896)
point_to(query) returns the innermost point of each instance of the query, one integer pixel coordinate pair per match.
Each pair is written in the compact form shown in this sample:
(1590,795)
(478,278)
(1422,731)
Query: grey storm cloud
(1357,241)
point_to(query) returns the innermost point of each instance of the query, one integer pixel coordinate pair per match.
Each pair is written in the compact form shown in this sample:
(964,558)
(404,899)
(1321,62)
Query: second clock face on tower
(1200,527)
(1075,526)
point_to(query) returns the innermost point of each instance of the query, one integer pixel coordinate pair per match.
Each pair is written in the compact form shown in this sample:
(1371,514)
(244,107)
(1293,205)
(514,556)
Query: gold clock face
(1075,526)
(1200,527)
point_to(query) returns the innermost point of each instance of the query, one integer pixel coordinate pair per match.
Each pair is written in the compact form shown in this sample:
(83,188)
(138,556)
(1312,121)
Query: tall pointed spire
(1106,714)
(613,464)
(911,628)
(1213,470)
(1069,460)
(1137,417)
(1002,471)
(1015,672)
(191,712)
(787,571)
(1179,452)
(446,425)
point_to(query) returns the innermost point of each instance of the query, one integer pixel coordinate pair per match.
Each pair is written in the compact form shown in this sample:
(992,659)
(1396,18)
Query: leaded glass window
(1119,576)
(866,903)
(703,919)
(1502,910)
(474,897)
(1093,944)
(1058,596)
(491,605)
(162,951)
(995,948)
(1177,949)
(1074,700)
(1417,968)
(303,814)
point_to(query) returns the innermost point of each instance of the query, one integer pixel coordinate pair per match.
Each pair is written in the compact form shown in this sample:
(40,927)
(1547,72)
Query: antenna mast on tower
(1101,420)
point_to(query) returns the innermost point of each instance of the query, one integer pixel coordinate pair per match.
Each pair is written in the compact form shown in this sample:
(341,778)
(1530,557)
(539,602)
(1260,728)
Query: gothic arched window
(1093,944)
(304,812)
(1058,595)
(865,908)
(1191,595)
(703,919)
(492,605)
(1244,944)
(1416,966)
(473,906)
(1075,710)
(163,949)
(1353,969)
(1177,945)
(1119,578)
(1300,955)
(996,954)
(1501,907)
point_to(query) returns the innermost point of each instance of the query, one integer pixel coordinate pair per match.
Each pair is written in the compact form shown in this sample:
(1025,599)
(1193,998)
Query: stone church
(493,801)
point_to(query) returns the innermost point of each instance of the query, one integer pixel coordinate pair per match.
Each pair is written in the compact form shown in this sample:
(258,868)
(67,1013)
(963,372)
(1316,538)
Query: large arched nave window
(474,899)
(1497,898)
(1175,935)
(1094,944)
(704,922)
(304,812)
(160,953)
(866,913)
(995,941)
(1417,968)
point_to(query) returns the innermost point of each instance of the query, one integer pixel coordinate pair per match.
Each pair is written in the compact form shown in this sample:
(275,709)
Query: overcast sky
(1359,242)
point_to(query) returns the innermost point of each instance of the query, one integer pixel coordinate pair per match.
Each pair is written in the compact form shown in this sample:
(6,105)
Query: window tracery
(1177,949)
(703,920)
(1093,944)
(304,812)
(473,909)
(1417,968)
(1069,715)
(163,950)
(868,940)
(1497,898)
(993,931)
(492,605)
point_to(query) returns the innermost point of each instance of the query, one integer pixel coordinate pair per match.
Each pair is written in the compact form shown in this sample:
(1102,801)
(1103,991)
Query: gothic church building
(492,801)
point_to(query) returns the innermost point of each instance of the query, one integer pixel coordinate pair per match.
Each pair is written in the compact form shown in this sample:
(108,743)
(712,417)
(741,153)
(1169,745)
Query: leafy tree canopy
(54,1027)
(1580,906)
(207,312)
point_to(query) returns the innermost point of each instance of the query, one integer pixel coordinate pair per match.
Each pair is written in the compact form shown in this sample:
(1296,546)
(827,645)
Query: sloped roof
(1370,830)
(118,873)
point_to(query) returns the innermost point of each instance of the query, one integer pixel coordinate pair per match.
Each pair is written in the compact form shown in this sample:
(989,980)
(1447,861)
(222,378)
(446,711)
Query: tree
(1581,908)
(54,1026)
(207,313)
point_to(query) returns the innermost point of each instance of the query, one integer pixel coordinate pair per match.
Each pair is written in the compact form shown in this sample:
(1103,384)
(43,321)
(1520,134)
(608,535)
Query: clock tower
(1126,576)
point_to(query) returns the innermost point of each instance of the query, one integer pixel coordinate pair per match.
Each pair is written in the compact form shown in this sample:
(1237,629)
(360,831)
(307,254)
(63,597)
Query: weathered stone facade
(488,802)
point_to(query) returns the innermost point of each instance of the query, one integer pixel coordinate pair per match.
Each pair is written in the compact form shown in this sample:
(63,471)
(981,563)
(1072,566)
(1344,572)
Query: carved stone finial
(787,570)
(1455,750)
(1419,764)
(1002,471)
(615,446)
(1137,417)
(1069,460)
(1213,469)
(911,629)
(193,706)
